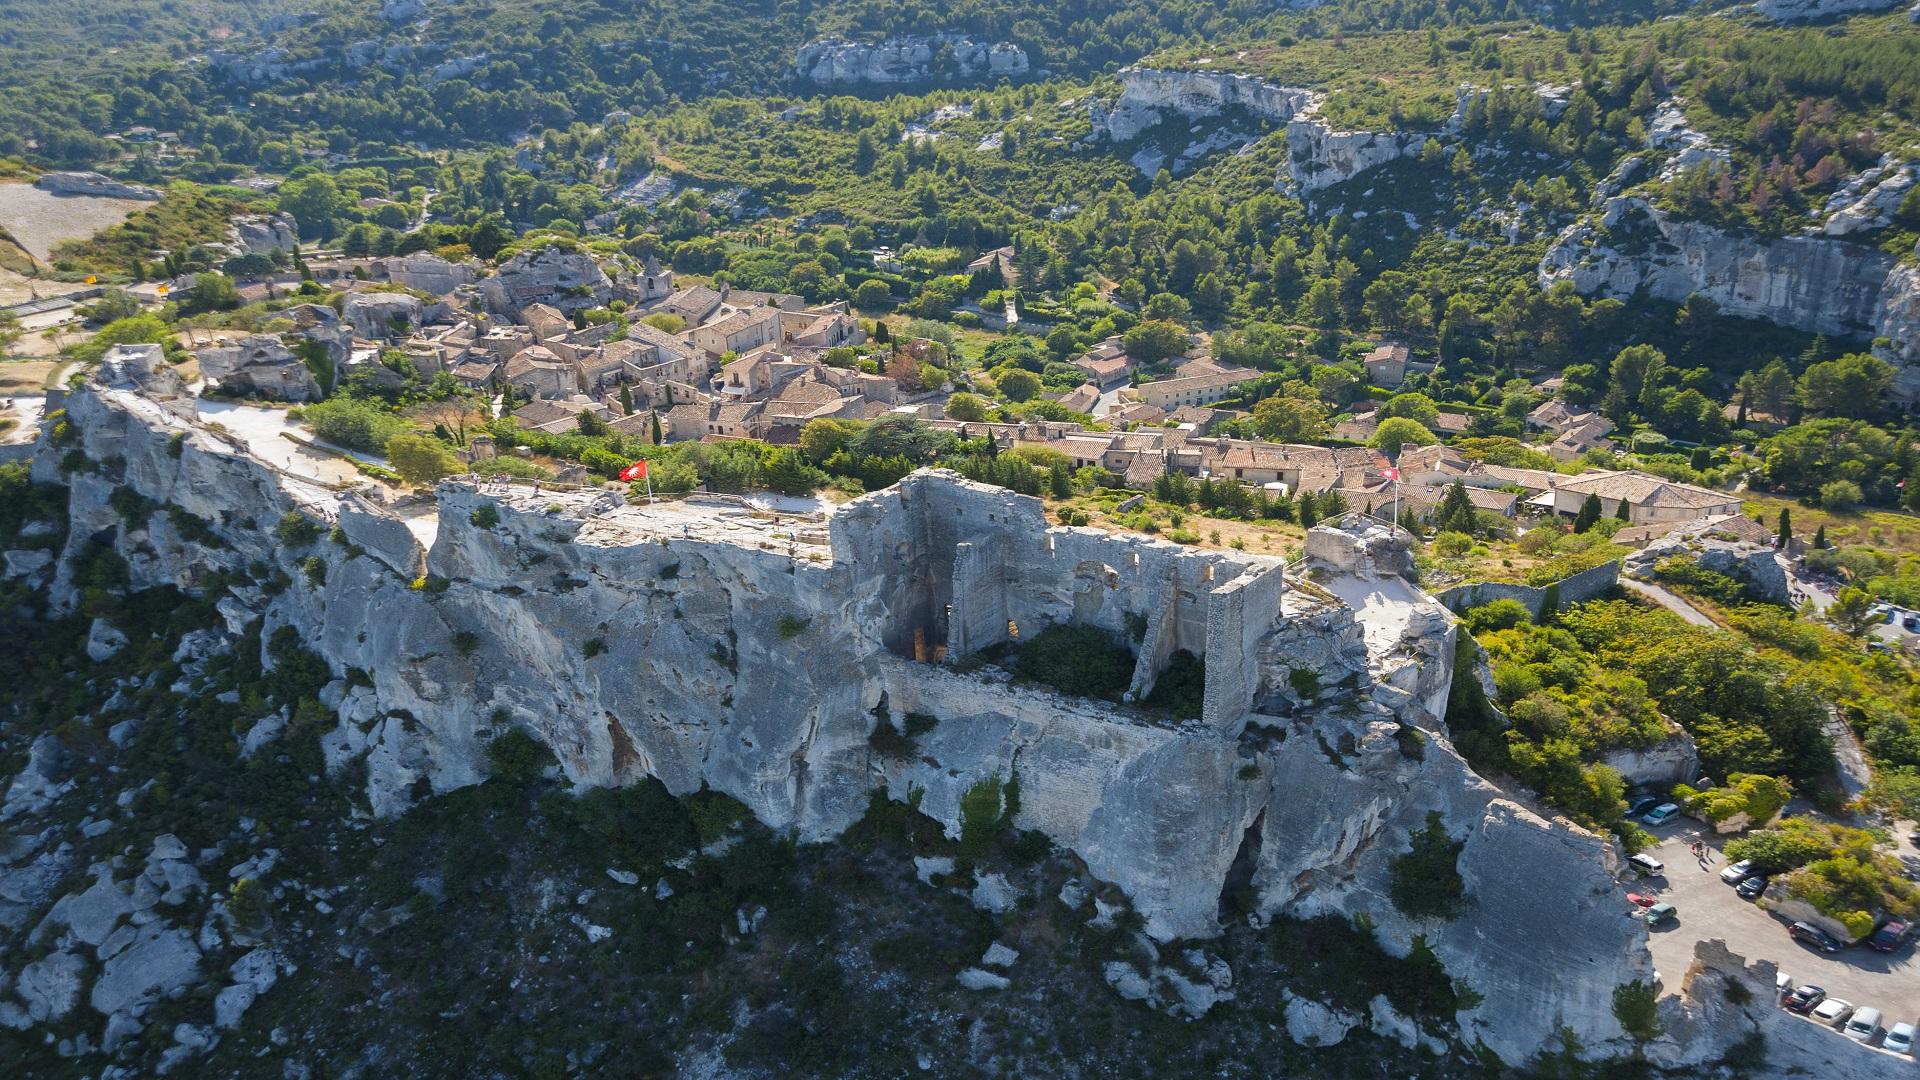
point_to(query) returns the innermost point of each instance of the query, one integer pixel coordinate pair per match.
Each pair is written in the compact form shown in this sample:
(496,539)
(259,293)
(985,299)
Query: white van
(1864,1025)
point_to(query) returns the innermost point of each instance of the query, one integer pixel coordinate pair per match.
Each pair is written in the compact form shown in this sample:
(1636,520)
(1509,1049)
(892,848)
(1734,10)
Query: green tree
(1635,1005)
(871,295)
(1019,385)
(1398,432)
(1285,418)
(1785,528)
(1412,406)
(1154,340)
(968,407)
(789,474)
(1588,514)
(316,202)
(1856,386)
(420,459)
(1456,513)
(1852,611)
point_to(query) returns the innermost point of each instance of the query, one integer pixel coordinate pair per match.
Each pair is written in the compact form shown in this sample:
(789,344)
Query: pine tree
(1307,510)
(1456,511)
(1061,481)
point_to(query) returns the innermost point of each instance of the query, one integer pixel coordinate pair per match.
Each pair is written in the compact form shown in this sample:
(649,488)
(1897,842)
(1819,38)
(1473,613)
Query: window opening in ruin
(1207,575)
(1133,559)
(949,612)
(1113,579)
(1013,630)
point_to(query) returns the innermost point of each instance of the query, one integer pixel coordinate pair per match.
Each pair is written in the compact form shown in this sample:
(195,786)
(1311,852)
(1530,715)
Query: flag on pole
(1391,474)
(635,471)
(91,280)
(165,288)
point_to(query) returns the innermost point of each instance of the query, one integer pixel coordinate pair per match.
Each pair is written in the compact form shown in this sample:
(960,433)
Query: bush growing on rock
(1426,880)
(1074,659)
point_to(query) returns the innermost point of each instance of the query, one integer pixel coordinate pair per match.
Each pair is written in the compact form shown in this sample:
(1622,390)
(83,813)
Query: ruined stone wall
(1574,589)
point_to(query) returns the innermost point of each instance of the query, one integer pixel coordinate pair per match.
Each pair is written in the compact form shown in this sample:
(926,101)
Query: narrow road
(1667,600)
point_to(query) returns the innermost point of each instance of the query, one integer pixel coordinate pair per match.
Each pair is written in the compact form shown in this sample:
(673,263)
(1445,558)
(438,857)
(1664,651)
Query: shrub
(1075,659)
(315,569)
(484,516)
(593,647)
(1426,880)
(354,424)
(981,810)
(1634,1007)
(518,758)
(888,741)
(791,627)
(919,723)
(1497,615)
(465,642)
(296,530)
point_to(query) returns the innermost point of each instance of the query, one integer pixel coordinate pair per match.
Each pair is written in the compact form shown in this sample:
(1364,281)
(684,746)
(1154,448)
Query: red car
(1639,900)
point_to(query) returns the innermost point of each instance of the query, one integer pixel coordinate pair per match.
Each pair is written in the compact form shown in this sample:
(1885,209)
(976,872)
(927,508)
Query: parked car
(1646,865)
(1661,913)
(1640,899)
(1751,888)
(1900,1038)
(1738,872)
(1811,935)
(1864,1025)
(1804,998)
(1891,936)
(1662,814)
(1833,1011)
(1641,806)
(1911,622)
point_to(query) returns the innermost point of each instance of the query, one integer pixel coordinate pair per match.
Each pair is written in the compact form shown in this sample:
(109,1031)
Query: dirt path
(1668,600)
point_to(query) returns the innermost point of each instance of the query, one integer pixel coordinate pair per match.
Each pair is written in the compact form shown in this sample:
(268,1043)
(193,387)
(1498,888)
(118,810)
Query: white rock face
(945,58)
(263,234)
(978,979)
(380,315)
(1869,200)
(51,986)
(697,686)
(93,184)
(1808,283)
(1311,1023)
(1802,10)
(551,276)
(1149,96)
(259,364)
(427,272)
(144,964)
(1319,157)
(104,641)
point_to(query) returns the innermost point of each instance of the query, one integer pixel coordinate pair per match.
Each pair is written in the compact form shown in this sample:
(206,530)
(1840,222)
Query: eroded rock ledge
(704,643)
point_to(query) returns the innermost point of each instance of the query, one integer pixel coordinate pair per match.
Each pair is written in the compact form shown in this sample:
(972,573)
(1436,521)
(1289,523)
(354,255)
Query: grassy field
(1888,530)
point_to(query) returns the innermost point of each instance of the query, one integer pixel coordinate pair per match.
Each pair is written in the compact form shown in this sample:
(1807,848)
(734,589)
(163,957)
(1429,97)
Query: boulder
(999,956)
(382,315)
(51,986)
(1127,981)
(231,1004)
(104,641)
(976,979)
(93,184)
(143,964)
(568,280)
(1310,1023)
(992,892)
(259,364)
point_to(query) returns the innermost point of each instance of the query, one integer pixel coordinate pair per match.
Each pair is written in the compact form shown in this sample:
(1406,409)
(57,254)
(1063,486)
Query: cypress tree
(1786,527)
(1589,513)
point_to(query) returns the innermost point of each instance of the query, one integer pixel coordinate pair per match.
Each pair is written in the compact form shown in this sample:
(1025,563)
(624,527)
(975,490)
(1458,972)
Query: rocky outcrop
(377,314)
(1756,566)
(428,273)
(568,280)
(1149,96)
(936,58)
(752,659)
(1805,10)
(259,365)
(1320,157)
(93,184)
(1868,201)
(1724,1003)
(1808,283)
(263,234)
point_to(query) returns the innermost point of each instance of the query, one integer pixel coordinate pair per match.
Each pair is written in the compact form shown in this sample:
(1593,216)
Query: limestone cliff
(702,643)
(1318,155)
(1809,283)
(933,58)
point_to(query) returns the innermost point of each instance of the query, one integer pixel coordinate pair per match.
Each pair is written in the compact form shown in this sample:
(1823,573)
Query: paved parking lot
(1709,908)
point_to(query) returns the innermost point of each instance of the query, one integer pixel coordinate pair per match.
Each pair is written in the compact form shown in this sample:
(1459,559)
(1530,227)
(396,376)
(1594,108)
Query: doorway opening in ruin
(1238,897)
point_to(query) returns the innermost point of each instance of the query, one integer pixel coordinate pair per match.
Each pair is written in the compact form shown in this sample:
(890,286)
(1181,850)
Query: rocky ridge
(918,59)
(698,680)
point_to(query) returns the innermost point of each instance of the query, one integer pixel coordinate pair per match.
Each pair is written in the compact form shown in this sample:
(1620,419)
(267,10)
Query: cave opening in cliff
(1238,897)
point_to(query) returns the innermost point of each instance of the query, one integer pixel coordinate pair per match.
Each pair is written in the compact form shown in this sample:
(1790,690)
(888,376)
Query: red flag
(1391,474)
(635,471)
